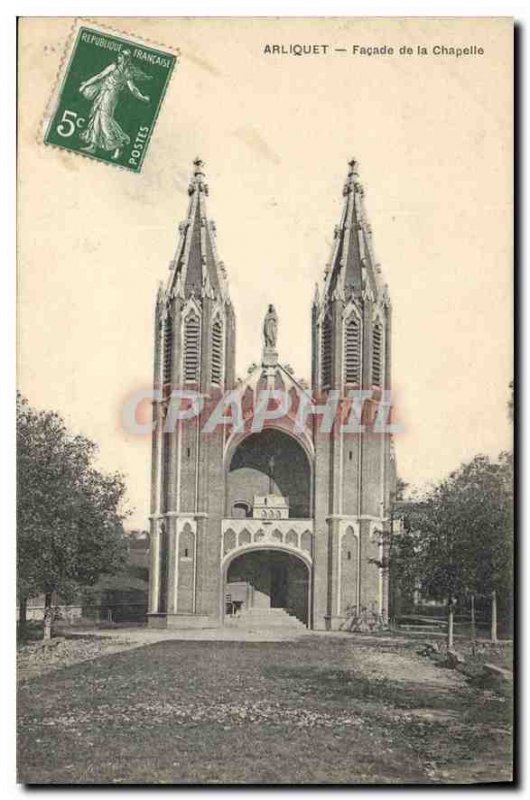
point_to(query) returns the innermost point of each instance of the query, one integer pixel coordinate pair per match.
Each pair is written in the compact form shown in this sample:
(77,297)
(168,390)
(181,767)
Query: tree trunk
(22,613)
(494,617)
(48,617)
(473,625)
(450,620)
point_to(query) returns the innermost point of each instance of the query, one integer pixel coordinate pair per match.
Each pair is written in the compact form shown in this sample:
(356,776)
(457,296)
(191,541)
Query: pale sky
(433,137)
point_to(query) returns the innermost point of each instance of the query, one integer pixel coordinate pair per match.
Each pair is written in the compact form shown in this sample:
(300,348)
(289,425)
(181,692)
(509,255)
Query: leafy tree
(70,518)
(466,542)
(398,551)
(487,492)
(404,555)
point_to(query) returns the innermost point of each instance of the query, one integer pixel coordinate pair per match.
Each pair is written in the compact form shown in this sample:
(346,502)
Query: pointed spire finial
(198,163)
(198,176)
(353,176)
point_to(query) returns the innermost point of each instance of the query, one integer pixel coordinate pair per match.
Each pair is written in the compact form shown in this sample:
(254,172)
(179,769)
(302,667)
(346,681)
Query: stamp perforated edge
(55,94)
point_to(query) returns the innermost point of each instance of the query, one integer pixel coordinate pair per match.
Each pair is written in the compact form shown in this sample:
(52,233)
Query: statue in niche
(270,327)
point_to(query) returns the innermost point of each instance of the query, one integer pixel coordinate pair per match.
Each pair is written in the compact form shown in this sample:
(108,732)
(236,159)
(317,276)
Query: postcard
(265,401)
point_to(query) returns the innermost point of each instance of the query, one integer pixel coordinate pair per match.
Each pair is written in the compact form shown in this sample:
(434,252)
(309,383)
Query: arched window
(326,343)
(352,350)
(241,510)
(168,348)
(377,355)
(192,331)
(244,537)
(217,352)
(229,541)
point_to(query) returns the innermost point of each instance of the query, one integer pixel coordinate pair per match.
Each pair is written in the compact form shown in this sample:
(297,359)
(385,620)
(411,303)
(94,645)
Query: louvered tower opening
(217,352)
(168,349)
(326,344)
(377,355)
(191,348)
(352,351)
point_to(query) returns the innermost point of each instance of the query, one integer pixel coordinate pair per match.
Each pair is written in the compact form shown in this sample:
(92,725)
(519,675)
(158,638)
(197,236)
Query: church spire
(352,267)
(196,269)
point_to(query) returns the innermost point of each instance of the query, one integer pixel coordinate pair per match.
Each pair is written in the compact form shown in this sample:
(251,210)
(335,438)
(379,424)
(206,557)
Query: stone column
(154,567)
(156,452)
(334,619)
(172,565)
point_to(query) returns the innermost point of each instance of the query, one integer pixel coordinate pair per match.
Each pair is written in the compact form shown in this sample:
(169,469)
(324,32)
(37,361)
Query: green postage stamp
(107,104)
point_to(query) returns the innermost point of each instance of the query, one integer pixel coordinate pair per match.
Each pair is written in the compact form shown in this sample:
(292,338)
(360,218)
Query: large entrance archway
(269,463)
(266,579)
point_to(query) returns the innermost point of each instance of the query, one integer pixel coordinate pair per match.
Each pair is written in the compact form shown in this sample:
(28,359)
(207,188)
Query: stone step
(265,618)
(271,617)
(265,622)
(268,611)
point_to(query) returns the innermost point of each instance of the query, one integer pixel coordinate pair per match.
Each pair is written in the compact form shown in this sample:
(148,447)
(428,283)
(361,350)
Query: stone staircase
(258,619)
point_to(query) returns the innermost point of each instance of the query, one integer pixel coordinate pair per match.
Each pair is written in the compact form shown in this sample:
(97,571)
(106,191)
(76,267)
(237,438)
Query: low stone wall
(107,612)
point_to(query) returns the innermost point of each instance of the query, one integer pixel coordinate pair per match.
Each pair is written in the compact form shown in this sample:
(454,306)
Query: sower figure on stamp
(103,90)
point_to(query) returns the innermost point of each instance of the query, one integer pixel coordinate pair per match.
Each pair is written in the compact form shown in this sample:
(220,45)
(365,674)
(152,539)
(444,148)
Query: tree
(466,543)
(398,550)
(441,565)
(404,557)
(70,517)
(488,497)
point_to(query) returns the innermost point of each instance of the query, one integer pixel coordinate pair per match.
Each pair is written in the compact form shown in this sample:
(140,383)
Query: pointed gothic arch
(167,347)
(229,541)
(217,350)
(249,472)
(378,345)
(326,351)
(353,348)
(192,346)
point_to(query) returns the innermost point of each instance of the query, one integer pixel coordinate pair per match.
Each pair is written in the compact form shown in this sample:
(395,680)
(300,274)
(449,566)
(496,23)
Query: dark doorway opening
(269,579)
(279,578)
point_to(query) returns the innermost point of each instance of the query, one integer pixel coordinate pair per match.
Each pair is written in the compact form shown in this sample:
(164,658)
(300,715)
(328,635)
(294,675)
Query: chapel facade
(286,518)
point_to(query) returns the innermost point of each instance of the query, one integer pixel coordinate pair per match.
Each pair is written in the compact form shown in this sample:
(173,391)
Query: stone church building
(254,521)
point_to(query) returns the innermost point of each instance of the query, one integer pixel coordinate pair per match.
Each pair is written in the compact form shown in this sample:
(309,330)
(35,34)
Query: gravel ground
(321,709)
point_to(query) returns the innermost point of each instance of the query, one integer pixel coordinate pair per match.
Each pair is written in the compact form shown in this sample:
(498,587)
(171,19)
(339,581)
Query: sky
(433,139)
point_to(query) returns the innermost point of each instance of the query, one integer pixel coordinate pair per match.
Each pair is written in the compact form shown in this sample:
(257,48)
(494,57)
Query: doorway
(270,578)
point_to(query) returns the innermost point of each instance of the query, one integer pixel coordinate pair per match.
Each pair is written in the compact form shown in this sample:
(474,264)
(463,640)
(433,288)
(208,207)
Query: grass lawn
(317,710)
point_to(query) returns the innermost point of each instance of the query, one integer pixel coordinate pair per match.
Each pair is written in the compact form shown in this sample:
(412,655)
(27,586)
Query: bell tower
(194,351)
(351,359)
(278,494)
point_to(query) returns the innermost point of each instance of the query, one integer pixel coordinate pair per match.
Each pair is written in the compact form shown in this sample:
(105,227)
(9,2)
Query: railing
(294,535)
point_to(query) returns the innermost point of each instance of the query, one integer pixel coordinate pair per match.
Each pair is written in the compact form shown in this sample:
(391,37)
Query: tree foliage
(70,517)
(462,532)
